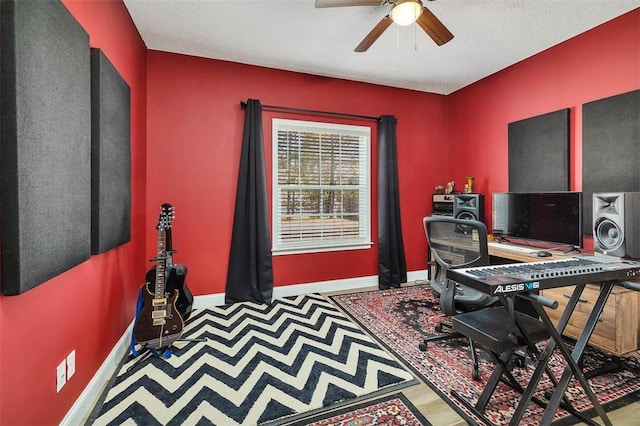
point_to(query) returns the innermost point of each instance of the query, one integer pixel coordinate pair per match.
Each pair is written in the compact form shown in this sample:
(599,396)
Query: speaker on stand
(469,207)
(616,224)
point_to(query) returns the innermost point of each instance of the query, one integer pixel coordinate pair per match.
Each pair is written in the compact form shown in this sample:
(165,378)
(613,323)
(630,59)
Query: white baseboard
(83,406)
(417,275)
(208,300)
(295,290)
(316,287)
(325,286)
(85,402)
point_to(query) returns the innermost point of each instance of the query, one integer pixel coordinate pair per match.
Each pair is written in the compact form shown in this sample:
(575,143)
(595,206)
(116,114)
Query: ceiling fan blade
(340,3)
(374,34)
(432,26)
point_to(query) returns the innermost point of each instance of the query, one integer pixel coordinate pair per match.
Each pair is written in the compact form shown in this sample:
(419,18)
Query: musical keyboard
(523,277)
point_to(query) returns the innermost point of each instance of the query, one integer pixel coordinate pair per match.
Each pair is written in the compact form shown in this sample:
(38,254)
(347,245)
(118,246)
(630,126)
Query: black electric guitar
(175,275)
(159,323)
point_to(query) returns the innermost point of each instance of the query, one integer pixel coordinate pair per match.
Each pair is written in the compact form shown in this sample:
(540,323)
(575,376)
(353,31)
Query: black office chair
(456,243)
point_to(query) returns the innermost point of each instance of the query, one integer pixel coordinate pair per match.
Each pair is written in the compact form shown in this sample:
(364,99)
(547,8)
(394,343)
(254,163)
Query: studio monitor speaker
(468,206)
(616,224)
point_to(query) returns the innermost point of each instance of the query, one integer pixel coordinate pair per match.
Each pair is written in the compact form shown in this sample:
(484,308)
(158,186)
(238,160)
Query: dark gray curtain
(250,272)
(392,266)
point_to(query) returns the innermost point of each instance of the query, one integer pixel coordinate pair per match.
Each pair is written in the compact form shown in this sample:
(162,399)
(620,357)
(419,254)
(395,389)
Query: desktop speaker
(616,224)
(468,206)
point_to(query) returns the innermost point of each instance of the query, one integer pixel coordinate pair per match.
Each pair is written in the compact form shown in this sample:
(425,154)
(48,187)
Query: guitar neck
(161,263)
(160,300)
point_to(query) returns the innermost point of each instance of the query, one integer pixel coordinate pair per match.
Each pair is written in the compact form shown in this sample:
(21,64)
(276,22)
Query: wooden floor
(439,413)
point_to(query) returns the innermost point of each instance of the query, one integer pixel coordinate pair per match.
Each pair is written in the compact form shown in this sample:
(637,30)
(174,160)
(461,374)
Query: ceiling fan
(403,12)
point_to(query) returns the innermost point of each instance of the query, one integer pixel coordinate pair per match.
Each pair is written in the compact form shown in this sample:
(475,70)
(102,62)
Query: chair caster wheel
(423,346)
(438,328)
(475,374)
(519,361)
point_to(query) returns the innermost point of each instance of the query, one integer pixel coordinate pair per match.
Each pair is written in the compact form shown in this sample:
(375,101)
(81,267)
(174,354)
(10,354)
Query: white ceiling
(293,35)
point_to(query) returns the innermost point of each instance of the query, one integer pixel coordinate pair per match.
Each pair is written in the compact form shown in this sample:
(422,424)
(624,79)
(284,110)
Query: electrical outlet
(71,364)
(61,375)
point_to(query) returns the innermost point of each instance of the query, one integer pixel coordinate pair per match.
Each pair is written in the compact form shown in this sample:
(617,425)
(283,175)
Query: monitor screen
(554,217)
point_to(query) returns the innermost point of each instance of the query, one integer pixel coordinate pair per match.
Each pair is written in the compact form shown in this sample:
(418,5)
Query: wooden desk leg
(572,358)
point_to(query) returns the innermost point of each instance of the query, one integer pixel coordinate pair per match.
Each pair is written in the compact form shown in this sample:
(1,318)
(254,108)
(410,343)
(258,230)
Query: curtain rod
(243,104)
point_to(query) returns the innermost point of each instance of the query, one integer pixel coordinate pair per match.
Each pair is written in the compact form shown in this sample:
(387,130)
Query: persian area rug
(400,318)
(391,410)
(259,364)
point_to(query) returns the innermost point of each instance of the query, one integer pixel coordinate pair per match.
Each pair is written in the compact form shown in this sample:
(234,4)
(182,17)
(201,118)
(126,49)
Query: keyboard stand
(571,358)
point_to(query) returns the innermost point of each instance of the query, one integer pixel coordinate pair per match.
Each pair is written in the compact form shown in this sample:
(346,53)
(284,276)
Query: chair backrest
(457,243)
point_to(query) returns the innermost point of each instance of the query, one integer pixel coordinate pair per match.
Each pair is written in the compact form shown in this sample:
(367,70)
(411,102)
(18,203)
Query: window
(321,192)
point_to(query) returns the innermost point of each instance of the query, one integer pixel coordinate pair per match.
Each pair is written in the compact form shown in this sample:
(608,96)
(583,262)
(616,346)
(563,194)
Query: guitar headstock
(167,214)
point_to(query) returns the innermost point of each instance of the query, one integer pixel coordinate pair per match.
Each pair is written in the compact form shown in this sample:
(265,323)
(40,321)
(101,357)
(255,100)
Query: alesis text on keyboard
(523,277)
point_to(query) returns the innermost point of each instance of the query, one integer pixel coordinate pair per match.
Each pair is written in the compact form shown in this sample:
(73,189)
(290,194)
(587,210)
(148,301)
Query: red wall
(599,63)
(88,307)
(195,131)
(194,137)
(186,136)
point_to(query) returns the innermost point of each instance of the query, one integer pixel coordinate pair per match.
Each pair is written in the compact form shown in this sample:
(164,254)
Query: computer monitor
(550,217)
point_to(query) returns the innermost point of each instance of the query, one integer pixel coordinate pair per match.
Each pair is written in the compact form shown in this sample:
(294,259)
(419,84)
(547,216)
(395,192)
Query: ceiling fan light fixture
(406,12)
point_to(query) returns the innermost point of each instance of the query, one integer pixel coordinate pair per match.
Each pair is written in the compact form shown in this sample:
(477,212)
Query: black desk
(524,278)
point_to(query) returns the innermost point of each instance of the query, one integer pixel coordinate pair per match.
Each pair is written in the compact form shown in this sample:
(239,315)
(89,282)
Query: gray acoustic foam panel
(45,147)
(610,149)
(539,153)
(110,156)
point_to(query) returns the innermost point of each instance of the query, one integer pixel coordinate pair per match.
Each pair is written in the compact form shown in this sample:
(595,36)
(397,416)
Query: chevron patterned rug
(260,364)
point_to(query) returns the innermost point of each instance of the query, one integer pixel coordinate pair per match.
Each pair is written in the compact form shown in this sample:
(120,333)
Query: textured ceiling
(489,35)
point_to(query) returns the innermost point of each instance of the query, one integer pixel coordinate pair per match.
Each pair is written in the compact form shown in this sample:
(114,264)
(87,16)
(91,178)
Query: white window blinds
(321,194)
